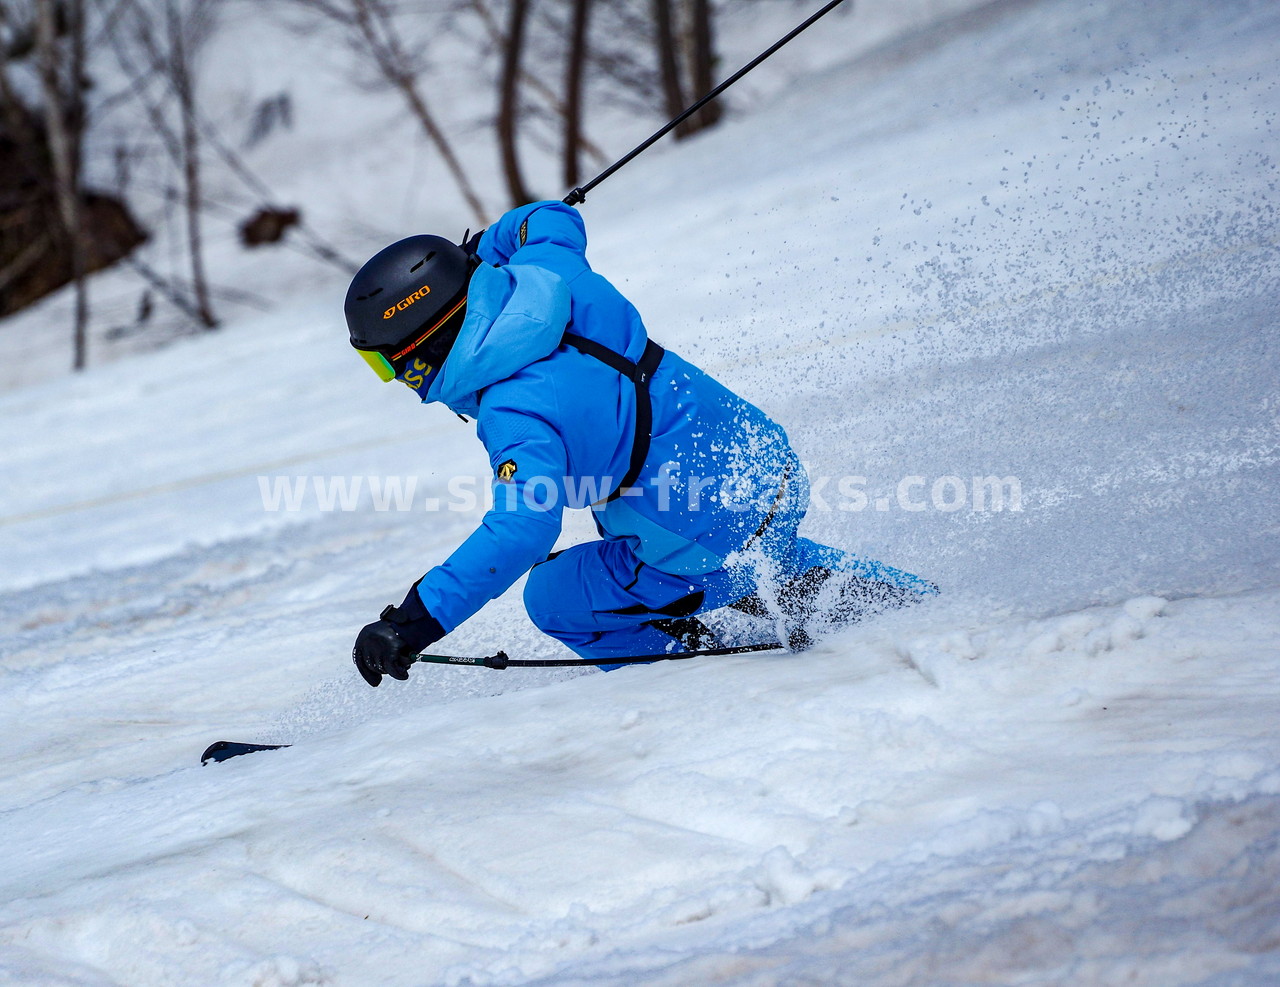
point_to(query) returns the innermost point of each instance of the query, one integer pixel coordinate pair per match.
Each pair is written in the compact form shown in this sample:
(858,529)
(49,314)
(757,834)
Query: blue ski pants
(600,600)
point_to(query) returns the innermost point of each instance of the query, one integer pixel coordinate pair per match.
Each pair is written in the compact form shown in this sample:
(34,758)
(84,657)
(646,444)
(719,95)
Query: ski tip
(222,750)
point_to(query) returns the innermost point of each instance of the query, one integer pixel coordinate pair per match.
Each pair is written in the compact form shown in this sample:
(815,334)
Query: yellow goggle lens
(380,364)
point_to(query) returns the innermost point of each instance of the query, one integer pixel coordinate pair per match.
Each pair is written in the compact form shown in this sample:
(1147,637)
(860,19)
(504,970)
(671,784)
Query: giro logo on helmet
(404,303)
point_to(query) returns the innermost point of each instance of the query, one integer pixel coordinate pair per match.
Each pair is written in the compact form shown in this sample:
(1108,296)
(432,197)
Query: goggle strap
(427,335)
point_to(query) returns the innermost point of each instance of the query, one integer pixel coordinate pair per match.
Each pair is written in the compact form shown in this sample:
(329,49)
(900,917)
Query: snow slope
(1036,242)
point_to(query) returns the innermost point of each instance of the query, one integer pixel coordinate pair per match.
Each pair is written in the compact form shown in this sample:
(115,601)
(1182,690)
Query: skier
(696,493)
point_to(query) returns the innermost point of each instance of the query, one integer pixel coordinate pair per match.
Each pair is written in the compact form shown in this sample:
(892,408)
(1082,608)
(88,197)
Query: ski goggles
(389,362)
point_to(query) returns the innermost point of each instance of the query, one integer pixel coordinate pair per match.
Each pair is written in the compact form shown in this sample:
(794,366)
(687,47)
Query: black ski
(224,749)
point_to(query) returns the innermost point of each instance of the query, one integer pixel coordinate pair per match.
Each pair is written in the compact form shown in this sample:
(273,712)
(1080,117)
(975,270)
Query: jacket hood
(516,315)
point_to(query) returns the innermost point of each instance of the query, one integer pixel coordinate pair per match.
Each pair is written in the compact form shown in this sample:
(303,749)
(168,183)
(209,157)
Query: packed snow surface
(1011,282)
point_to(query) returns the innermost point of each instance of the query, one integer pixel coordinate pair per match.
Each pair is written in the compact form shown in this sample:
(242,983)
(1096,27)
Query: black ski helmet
(411,293)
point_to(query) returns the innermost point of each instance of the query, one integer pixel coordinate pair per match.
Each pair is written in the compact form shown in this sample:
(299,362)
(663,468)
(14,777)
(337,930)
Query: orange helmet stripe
(427,335)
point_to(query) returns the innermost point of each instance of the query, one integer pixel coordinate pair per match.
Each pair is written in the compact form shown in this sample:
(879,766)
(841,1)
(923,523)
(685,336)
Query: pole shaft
(580,194)
(448,660)
(500,660)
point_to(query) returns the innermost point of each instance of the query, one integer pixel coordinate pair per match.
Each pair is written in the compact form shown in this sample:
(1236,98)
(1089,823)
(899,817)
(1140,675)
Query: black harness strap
(639,374)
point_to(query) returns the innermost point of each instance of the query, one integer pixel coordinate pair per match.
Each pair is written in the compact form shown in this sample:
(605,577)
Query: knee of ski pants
(544,597)
(601,587)
(581,590)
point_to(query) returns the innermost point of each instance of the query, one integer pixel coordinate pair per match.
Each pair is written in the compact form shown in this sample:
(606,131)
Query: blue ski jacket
(560,418)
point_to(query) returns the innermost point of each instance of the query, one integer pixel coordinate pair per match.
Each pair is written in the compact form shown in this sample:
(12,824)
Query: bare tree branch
(184,88)
(371,31)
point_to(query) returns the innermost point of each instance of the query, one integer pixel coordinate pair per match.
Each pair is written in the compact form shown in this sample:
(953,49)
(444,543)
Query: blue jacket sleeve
(543,234)
(529,463)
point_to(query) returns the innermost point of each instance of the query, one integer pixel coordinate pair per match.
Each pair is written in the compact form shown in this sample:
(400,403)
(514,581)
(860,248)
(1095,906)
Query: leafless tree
(548,46)
(684,42)
(509,101)
(664,35)
(182,28)
(702,60)
(370,28)
(143,49)
(54,230)
(574,75)
(155,42)
(24,231)
(61,77)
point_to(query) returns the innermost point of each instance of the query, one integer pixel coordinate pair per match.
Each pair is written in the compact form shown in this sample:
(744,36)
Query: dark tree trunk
(673,97)
(703,57)
(574,72)
(509,103)
(63,123)
(686,61)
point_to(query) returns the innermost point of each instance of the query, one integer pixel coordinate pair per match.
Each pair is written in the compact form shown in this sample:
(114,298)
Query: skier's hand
(379,651)
(391,644)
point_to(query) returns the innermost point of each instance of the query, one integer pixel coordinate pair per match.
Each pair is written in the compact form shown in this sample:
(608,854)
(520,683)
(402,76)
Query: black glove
(389,645)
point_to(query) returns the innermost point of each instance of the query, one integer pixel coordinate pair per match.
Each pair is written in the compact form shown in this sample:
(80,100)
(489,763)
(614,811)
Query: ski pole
(500,660)
(580,194)
(224,750)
